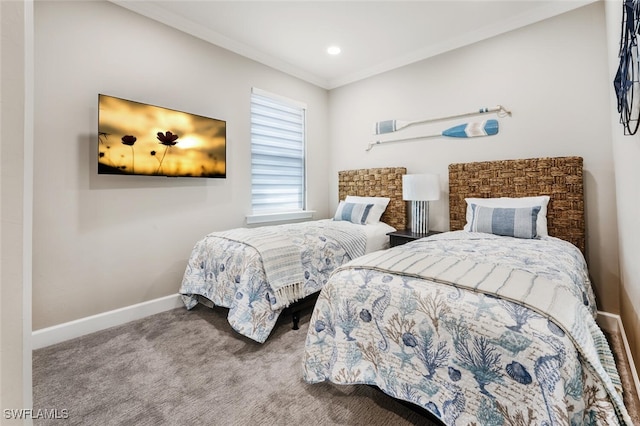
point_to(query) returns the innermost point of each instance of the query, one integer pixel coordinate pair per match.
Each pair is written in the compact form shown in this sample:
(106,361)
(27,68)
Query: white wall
(15,204)
(104,242)
(551,75)
(626,155)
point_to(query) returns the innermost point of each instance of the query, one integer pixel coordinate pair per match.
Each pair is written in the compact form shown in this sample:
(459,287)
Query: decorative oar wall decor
(466,130)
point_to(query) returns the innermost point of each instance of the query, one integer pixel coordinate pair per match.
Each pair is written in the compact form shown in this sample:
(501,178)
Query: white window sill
(279,217)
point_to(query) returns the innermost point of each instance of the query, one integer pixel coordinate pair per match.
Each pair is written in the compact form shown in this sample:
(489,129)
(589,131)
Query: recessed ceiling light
(333,50)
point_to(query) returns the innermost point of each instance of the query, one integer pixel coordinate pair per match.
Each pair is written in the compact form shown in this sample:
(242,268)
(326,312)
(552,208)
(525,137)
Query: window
(277,156)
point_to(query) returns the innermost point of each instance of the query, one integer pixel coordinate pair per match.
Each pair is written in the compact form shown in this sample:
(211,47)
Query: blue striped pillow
(353,212)
(511,222)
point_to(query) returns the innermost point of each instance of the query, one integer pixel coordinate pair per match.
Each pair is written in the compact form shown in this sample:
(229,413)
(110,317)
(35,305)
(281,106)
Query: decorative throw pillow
(510,222)
(513,202)
(379,206)
(353,212)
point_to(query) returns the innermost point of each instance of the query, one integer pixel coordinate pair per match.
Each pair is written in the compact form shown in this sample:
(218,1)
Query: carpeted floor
(189,368)
(631,397)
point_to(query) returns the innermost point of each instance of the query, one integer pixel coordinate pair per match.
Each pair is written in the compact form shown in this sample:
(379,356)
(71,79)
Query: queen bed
(258,272)
(492,323)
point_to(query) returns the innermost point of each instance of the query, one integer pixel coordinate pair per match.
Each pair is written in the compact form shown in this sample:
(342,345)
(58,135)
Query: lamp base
(419,216)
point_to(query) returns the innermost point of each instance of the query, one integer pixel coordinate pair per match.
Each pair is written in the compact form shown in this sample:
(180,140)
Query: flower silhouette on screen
(129,140)
(167,139)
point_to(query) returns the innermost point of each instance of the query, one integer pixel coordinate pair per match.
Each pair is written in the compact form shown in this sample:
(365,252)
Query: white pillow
(508,202)
(379,206)
(377,238)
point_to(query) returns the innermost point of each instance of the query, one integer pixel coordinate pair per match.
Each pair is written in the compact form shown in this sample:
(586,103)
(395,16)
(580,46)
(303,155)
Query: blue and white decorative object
(466,130)
(390,126)
(419,190)
(473,130)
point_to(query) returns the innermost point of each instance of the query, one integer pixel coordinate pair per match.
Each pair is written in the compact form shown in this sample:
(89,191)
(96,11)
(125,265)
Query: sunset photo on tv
(140,139)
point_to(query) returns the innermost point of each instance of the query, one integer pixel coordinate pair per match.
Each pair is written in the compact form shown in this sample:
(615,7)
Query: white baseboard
(613,323)
(70,330)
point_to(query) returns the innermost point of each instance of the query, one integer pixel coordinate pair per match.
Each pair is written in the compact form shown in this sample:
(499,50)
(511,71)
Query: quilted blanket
(281,257)
(475,328)
(227,269)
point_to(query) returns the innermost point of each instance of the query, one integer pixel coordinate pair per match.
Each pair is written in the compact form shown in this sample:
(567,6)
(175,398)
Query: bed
(474,327)
(257,273)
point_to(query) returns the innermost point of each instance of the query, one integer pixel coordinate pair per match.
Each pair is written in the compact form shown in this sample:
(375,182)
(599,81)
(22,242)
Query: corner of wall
(631,321)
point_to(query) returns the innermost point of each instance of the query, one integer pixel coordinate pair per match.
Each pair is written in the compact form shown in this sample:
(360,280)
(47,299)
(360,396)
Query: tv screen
(140,139)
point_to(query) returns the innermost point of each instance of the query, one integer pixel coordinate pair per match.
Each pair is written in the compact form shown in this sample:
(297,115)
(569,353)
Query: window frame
(283,215)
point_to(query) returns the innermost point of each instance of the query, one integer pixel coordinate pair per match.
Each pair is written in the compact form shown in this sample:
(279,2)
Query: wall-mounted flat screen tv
(140,139)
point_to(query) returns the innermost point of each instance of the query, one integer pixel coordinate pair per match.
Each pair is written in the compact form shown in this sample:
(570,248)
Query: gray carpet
(190,368)
(630,396)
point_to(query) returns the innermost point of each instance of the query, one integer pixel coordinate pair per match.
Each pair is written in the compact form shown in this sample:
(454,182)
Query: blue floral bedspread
(469,357)
(230,273)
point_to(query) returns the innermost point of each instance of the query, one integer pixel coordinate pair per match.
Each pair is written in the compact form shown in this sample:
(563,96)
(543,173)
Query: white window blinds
(277,153)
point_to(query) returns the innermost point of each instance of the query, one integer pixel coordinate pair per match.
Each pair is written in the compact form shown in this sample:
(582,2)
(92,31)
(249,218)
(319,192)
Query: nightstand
(398,238)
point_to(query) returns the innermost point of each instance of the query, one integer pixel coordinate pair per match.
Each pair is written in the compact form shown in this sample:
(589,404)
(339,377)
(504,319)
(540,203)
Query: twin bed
(258,272)
(492,323)
(474,327)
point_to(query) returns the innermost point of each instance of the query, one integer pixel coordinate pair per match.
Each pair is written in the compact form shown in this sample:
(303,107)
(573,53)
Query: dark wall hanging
(626,82)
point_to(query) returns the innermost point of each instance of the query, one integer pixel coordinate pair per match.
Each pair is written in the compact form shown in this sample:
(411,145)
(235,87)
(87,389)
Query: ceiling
(375,36)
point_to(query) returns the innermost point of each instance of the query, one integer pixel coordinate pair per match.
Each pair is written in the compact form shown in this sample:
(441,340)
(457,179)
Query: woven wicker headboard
(559,177)
(378,182)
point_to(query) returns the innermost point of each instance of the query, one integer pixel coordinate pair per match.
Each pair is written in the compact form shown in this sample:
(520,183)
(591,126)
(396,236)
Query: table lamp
(419,189)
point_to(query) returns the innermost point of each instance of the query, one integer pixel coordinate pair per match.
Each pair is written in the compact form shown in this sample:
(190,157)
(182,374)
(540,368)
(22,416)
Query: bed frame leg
(296,319)
(297,308)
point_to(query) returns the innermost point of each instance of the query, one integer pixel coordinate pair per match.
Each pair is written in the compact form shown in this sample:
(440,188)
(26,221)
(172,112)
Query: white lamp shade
(423,187)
